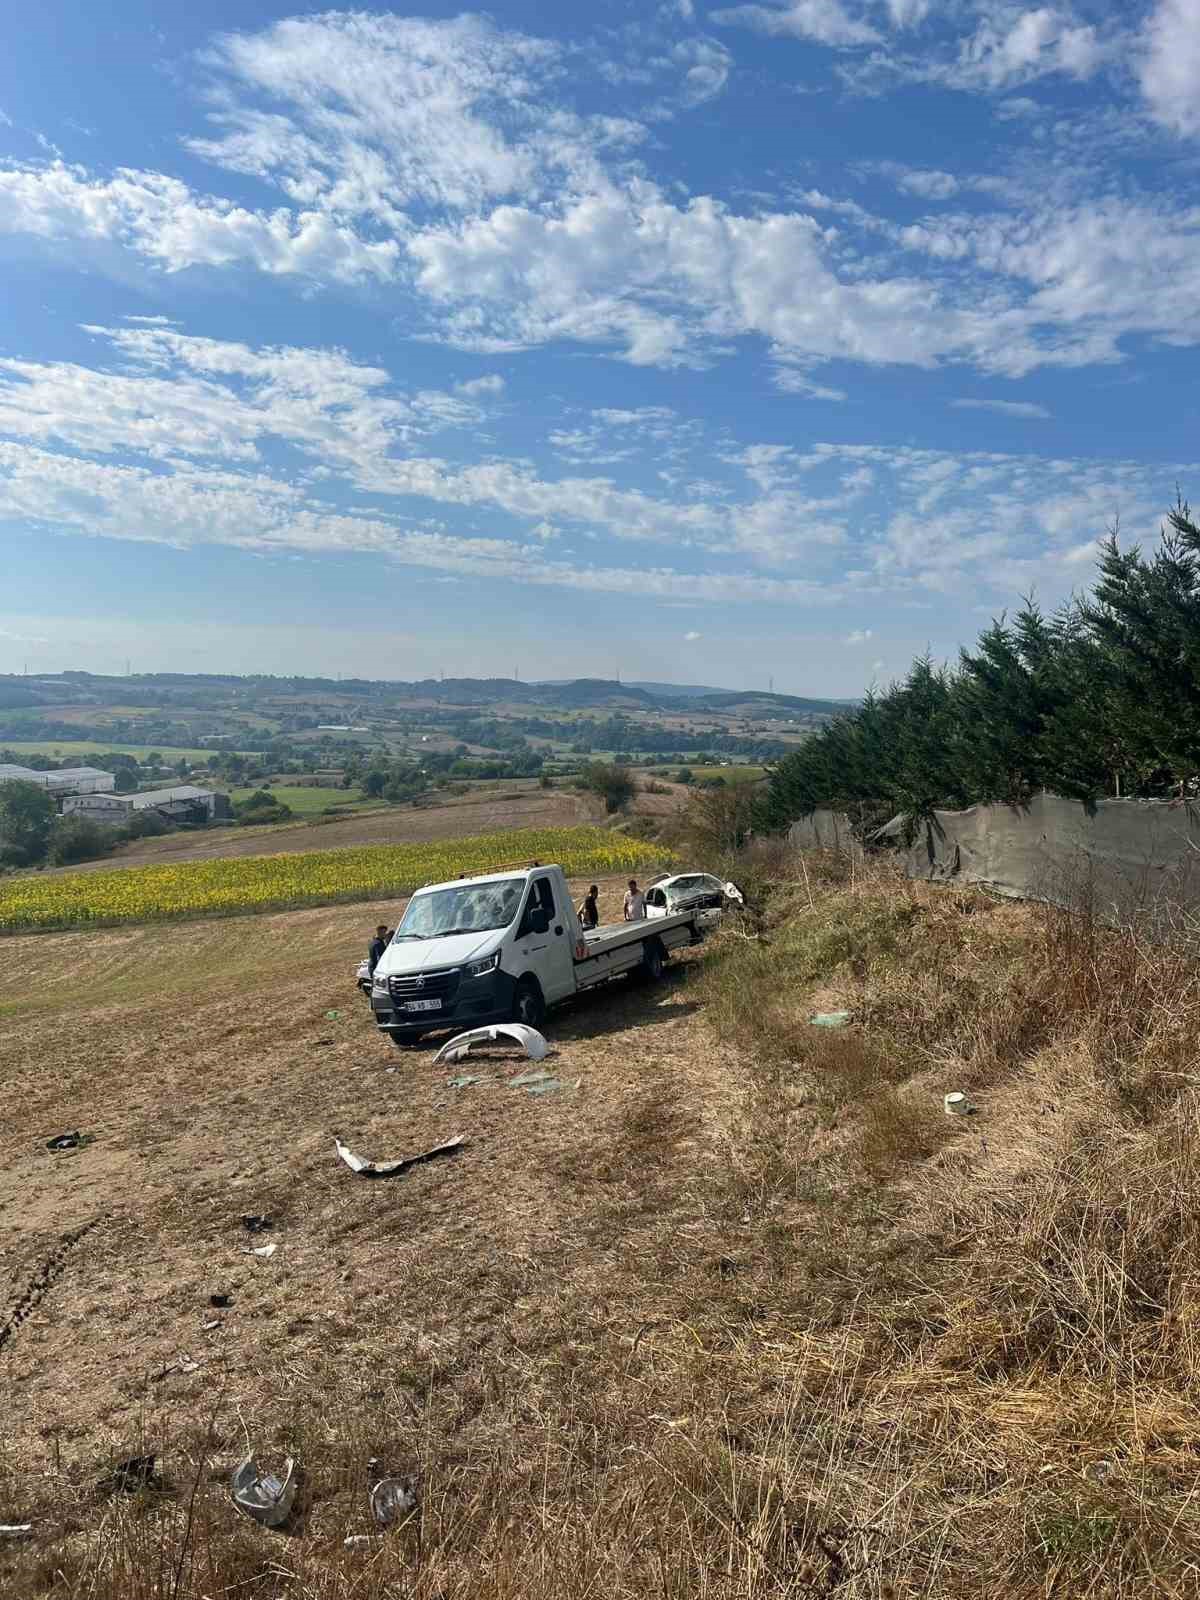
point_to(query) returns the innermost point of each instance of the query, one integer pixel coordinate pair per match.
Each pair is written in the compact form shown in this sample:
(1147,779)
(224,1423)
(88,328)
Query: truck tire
(653,962)
(406,1041)
(529,1005)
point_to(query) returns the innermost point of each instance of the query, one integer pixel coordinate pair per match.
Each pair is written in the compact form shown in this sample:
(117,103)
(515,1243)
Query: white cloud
(859,636)
(1170,65)
(691,636)
(1038,41)
(1004,408)
(382,116)
(855,519)
(706,66)
(794,380)
(823,21)
(187,506)
(908,13)
(161,218)
(476,387)
(183,395)
(439,164)
(929,185)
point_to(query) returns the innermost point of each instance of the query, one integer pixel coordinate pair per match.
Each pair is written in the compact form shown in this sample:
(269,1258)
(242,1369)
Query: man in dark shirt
(378,945)
(589,911)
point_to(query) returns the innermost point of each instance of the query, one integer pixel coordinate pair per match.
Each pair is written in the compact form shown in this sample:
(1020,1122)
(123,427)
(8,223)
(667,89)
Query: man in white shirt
(635,902)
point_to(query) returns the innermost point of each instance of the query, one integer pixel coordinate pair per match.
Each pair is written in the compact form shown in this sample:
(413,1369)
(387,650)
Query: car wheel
(529,1006)
(406,1041)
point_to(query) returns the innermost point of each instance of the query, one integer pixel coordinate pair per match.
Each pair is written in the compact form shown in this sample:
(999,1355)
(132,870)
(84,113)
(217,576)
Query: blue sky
(717,344)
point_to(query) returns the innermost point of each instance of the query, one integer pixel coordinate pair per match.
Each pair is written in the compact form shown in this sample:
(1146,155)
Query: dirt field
(204,1061)
(459,818)
(738,1313)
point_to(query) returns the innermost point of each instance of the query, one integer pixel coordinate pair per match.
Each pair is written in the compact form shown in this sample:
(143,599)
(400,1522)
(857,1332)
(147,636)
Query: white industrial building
(66,781)
(183,803)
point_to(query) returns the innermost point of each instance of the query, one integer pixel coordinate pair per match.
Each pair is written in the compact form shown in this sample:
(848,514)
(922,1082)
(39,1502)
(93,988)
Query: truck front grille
(425,986)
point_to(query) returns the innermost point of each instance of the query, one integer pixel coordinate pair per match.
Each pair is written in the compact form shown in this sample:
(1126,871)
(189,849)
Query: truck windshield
(473,908)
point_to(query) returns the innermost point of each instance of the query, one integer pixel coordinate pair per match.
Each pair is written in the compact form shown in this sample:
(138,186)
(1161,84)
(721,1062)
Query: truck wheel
(406,1041)
(653,962)
(529,1006)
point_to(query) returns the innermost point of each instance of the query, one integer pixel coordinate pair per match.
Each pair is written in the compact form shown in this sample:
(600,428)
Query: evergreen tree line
(1100,699)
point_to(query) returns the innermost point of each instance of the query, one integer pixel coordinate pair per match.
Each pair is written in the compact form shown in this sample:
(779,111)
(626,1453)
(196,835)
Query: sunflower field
(266,883)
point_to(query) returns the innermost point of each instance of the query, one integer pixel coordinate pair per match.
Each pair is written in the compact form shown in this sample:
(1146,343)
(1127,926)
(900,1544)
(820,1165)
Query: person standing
(589,911)
(378,945)
(635,902)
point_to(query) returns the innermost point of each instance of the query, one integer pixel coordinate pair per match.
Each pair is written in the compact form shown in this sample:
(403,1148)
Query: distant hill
(573,694)
(681,697)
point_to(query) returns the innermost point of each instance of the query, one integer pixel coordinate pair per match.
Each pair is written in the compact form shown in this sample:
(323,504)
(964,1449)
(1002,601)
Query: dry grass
(744,1315)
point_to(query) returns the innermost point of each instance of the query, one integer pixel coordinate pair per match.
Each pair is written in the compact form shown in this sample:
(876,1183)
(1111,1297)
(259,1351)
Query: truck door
(543,941)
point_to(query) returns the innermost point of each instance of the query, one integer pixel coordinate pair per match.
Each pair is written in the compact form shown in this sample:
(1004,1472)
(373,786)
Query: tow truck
(505,947)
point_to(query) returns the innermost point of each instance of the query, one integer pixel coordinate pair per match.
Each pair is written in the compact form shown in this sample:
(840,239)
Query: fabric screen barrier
(1130,856)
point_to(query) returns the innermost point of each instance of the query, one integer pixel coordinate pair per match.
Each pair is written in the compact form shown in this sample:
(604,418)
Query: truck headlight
(379,986)
(478,969)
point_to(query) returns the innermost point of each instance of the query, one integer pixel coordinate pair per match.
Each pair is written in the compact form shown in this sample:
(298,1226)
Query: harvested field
(738,1312)
(453,819)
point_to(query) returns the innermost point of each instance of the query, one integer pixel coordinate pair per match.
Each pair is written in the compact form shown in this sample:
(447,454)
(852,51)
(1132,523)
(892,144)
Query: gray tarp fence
(1130,856)
(822,830)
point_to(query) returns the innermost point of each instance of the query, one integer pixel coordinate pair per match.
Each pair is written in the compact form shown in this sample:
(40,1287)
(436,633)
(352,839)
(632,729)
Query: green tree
(126,780)
(612,783)
(26,819)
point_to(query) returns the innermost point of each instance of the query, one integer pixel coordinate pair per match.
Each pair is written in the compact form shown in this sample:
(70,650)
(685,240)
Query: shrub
(79,839)
(262,806)
(146,825)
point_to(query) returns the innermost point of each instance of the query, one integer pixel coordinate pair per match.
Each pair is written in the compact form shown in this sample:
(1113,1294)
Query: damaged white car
(700,892)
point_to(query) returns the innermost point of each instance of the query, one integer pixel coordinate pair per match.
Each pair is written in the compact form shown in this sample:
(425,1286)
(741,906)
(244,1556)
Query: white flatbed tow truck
(504,948)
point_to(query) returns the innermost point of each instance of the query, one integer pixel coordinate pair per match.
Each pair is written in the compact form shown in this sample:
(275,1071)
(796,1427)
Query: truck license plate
(422,1005)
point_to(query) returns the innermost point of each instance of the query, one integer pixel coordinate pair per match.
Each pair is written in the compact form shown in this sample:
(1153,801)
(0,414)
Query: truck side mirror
(539,919)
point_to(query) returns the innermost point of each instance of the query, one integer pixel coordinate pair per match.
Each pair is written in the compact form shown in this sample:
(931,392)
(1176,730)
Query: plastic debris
(130,1475)
(530,1040)
(220,1301)
(359,1541)
(956,1104)
(333,1015)
(393,1499)
(264,1497)
(463,1082)
(183,1364)
(16,1530)
(257,1224)
(732,892)
(389,1169)
(70,1141)
(537,1083)
(266,1251)
(830,1019)
(209,1326)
